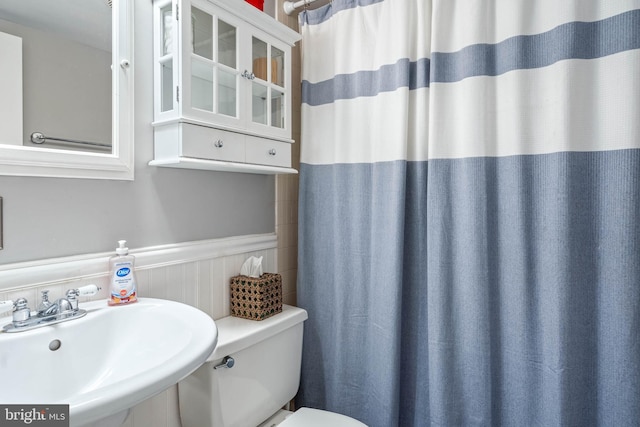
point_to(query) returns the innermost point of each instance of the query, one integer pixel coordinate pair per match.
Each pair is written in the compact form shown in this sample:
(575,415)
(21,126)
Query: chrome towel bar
(40,138)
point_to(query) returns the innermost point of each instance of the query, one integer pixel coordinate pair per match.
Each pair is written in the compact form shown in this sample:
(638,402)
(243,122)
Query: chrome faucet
(63,307)
(47,313)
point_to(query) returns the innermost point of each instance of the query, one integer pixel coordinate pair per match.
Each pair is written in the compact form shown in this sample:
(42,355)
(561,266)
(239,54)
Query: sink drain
(54,345)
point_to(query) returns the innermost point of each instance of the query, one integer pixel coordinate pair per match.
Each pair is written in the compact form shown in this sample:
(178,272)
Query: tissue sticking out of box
(252,267)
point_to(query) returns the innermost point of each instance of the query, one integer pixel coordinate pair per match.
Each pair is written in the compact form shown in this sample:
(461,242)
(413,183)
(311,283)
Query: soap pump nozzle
(122,249)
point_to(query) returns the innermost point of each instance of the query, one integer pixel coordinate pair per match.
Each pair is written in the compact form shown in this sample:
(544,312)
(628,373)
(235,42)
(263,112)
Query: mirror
(68,112)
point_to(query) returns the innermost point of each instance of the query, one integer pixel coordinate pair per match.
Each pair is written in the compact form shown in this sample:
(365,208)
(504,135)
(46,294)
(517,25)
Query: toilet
(253,372)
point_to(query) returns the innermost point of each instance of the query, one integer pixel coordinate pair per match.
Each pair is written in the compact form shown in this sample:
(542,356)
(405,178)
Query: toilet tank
(264,377)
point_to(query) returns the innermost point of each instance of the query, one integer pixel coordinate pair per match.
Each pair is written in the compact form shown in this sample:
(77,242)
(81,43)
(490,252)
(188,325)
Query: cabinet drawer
(208,143)
(268,152)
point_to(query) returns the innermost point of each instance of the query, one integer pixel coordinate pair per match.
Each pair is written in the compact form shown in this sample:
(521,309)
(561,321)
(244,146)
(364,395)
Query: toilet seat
(307,417)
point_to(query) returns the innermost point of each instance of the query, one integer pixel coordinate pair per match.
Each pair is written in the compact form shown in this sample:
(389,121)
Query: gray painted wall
(47,217)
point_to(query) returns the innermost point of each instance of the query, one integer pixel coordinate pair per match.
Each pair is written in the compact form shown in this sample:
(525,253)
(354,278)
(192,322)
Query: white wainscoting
(194,273)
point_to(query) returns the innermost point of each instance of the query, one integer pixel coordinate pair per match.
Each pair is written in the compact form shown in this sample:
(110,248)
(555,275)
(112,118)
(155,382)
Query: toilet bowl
(307,417)
(253,372)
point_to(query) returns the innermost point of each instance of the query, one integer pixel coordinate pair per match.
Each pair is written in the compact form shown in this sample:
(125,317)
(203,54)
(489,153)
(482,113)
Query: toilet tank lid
(235,334)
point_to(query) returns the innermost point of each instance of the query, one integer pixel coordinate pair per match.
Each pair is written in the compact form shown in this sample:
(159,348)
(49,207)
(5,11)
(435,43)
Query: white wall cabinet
(222,87)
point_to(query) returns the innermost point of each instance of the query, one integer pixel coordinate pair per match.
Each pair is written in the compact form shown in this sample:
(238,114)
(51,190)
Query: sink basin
(108,361)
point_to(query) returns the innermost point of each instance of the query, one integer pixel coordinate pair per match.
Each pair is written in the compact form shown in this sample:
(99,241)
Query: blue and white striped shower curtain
(469,242)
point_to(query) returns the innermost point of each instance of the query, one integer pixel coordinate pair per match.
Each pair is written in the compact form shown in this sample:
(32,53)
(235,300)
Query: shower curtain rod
(290,6)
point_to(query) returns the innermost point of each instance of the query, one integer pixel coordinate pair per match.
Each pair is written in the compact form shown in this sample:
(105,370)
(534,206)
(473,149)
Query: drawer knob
(272,152)
(218,144)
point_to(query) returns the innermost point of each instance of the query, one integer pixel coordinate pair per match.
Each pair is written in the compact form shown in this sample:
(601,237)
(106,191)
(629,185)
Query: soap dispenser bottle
(123,287)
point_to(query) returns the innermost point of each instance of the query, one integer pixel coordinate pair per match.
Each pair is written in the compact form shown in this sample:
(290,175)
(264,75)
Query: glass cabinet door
(227,70)
(166,58)
(214,71)
(277,93)
(268,92)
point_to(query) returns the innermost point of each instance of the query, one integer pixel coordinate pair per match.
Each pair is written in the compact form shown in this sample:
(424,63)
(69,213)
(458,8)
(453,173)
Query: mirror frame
(48,162)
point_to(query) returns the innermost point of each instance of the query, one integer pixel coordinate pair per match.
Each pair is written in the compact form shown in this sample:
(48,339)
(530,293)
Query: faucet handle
(88,290)
(83,291)
(6,306)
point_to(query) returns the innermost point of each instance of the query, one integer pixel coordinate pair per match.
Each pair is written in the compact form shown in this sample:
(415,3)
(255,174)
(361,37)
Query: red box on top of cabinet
(257,3)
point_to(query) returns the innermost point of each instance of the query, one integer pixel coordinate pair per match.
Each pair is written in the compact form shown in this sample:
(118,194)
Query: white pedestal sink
(106,362)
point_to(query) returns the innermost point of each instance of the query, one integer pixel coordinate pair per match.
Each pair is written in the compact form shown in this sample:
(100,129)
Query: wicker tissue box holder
(256,298)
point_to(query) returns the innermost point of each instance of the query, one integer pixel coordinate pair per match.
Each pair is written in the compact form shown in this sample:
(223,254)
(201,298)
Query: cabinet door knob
(247,75)
(272,152)
(218,144)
